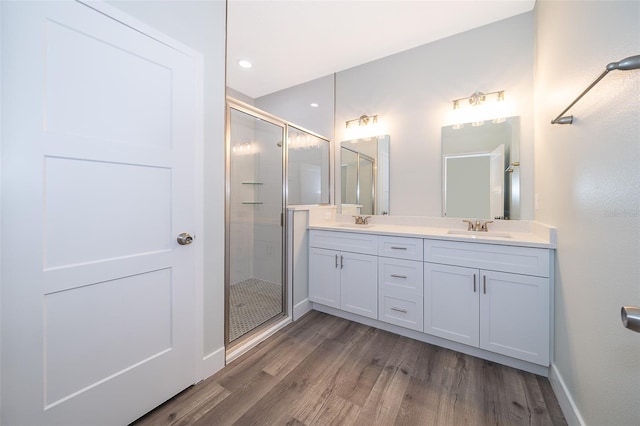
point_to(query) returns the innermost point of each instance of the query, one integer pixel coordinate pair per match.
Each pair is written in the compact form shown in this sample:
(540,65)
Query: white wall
(588,181)
(201,26)
(412,92)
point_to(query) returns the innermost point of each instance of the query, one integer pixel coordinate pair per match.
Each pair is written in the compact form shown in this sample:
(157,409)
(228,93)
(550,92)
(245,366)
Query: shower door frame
(374,178)
(230,104)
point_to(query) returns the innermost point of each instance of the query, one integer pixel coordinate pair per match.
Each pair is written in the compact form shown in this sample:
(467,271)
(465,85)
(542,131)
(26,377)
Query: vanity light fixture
(363,120)
(626,64)
(477,98)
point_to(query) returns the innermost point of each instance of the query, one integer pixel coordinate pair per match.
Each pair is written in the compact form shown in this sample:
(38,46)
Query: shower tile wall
(267,236)
(241,216)
(256,245)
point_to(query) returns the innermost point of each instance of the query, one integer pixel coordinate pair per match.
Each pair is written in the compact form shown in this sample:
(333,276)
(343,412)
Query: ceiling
(292,42)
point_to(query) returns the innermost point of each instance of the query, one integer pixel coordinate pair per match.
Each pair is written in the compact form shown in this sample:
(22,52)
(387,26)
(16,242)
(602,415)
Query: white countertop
(523,234)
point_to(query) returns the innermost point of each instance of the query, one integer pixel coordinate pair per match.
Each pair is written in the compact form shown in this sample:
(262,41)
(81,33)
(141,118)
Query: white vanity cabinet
(489,296)
(476,296)
(400,281)
(343,271)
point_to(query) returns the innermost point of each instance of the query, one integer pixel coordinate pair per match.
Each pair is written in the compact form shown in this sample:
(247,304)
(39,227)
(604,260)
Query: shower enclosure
(255,290)
(256,158)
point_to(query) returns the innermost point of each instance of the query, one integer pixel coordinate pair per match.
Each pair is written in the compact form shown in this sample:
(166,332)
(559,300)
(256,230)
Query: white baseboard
(213,362)
(302,308)
(567,404)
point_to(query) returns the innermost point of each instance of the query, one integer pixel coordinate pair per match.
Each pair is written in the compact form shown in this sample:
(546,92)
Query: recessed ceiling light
(314,105)
(244,63)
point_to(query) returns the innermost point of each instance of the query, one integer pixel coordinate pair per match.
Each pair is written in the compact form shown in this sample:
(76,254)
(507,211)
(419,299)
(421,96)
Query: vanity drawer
(403,277)
(518,260)
(400,247)
(401,312)
(344,241)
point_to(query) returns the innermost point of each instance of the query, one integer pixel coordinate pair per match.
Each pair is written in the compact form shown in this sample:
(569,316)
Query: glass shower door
(254,264)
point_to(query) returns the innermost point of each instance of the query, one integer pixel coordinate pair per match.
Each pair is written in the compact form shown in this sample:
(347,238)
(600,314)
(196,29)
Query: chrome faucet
(477,226)
(471,226)
(484,226)
(361,220)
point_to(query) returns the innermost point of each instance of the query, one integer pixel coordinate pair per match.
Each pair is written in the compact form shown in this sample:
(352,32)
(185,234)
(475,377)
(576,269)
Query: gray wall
(292,104)
(240,96)
(201,26)
(412,92)
(588,181)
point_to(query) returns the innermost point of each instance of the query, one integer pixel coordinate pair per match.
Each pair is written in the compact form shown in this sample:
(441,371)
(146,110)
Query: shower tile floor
(251,303)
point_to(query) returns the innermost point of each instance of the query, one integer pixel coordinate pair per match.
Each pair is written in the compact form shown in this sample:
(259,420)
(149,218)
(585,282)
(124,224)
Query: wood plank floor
(323,370)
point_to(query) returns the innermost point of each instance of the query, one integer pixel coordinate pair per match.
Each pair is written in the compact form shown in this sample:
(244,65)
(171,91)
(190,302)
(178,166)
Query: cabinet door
(359,289)
(514,316)
(451,307)
(324,277)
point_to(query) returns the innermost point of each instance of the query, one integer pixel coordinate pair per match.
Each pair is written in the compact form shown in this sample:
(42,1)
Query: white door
(514,316)
(359,284)
(451,303)
(324,277)
(99,130)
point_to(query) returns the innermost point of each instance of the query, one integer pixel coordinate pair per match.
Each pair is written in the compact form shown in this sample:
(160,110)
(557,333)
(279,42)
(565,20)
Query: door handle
(484,284)
(184,239)
(474,283)
(336,260)
(631,317)
(341,261)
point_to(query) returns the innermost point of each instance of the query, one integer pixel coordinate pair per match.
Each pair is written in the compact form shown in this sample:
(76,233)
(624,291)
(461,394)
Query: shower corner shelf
(252,183)
(252,202)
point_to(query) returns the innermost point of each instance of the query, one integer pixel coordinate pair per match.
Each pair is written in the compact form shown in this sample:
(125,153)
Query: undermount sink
(353,225)
(479,234)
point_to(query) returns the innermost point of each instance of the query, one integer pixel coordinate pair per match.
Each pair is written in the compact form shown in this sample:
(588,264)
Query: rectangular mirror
(480,169)
(308,168)
(364,176)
